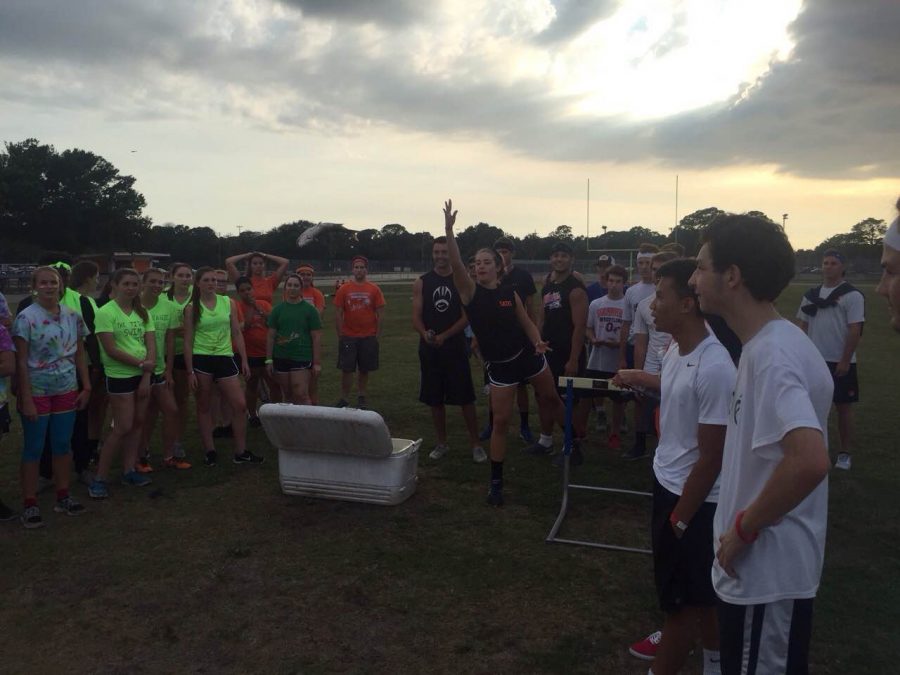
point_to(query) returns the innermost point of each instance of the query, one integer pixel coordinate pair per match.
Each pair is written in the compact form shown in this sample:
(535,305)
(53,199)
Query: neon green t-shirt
(128,332)
(165,316)
(72,299)
(293,324)
(179,307)
(212,333)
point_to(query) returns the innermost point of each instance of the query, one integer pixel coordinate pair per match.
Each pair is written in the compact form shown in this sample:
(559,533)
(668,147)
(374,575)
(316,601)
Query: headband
(305,268)
(360,257)
(644,256)
(892,236)
(63,266)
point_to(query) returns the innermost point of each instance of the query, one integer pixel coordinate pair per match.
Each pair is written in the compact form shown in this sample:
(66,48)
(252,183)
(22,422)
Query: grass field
(223,573)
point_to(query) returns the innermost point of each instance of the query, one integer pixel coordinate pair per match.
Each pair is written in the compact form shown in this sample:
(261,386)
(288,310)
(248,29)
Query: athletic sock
(61,494)
(30,501)
(546,440)
(523,419)
(711,662)
(496,475)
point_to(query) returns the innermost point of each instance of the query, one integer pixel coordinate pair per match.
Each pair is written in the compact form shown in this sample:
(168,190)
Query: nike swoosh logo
(691,365)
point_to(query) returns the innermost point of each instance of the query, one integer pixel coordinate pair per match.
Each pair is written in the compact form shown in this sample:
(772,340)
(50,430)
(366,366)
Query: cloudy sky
(250,113)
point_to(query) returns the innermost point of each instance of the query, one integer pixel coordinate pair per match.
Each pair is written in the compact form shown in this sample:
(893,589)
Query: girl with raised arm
(263,286)
(210,330)
(509,341)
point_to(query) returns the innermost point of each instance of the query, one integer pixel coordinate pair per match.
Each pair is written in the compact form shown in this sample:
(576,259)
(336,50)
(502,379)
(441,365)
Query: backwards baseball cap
(560,247)
(364,259)
(605,260)
(504,243)
(834,253)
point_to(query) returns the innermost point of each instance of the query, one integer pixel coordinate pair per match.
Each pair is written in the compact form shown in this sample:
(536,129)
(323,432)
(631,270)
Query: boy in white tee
(770,524)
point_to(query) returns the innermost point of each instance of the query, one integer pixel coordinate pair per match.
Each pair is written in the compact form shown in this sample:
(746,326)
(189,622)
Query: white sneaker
(843,461)
(478,455)
(439,451)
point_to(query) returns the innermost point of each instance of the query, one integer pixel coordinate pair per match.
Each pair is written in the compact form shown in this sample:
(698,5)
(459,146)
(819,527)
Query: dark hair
(250,260)
(663,257)
(172,268)
(293,275)
(673,246)
(136,303)
(616,271)
(646,247)
(241,280)
(680,271)
(81,272)
(439,240)
(195,294)
(758,247)
(504,243)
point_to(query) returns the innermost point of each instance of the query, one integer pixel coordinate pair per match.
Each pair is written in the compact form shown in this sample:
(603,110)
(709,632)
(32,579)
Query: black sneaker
(254,422)
(69,506)
(31,517)
(538,450)
(341,404)
(211,457)
(248,458)
(6,513)
(361,402)
(634,454)
(495,497)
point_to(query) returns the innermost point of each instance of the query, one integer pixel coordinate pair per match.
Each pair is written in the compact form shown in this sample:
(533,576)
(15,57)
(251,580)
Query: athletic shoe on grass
(70,506)
(254,422)
(341,404)
(6,513)
(526,435)
(31,518)
(486,433)
(439,451)
(176,463)
(843,461)
(478,455)
(495,497)
(211,457)
(538,450)
(135,479)
(98,489)
(646,649)
(143,465)
(247,457)
(361,403)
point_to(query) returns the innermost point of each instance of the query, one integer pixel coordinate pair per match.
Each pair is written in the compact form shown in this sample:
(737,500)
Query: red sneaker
(143,466)
(614,442)
(646,648)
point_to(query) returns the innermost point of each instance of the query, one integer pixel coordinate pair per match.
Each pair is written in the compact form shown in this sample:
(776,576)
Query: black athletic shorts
(846,387)
(521,368)
(681,567)
(156,380)
(289,365)
(178,362)
(358,353)
(769,638)
(445,377)
(123,385)
(256,362)
(615,396)
(220,367)
(557,360)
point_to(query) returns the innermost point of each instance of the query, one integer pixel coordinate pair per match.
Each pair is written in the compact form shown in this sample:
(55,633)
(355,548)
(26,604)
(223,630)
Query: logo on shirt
(441,298)
(735,409)
(553,300)
(505,303)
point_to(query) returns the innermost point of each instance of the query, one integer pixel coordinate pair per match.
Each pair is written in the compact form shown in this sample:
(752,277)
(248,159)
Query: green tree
(869,231)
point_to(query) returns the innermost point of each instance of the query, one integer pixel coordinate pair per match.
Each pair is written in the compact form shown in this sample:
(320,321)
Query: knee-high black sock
(523,418)
(496,475)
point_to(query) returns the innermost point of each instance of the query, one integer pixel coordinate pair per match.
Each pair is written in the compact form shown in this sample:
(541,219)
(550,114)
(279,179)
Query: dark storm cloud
(386,12)
(833,109)
(573,17)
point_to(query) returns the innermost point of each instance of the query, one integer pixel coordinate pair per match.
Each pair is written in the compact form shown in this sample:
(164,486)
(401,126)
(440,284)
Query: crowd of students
(135,353)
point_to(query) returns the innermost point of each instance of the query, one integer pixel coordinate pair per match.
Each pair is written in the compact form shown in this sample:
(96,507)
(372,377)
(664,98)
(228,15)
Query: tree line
(78,202)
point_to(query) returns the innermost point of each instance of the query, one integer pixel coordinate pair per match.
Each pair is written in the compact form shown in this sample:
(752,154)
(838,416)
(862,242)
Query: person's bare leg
(232,393)
(346,384)
(845,425)
(679,633)
(122,408)
(204,413)
(439,420)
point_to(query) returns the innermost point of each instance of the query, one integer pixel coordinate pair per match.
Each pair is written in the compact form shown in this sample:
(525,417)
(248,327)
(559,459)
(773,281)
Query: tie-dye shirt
(6,345)
(52,343)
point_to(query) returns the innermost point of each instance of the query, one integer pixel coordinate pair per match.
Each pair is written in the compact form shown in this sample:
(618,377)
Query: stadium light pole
(784,218)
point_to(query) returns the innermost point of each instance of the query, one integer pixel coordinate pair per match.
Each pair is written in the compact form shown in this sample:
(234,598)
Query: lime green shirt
(179,308)
(128,332)
(72,299)
(165,315)
(212,333)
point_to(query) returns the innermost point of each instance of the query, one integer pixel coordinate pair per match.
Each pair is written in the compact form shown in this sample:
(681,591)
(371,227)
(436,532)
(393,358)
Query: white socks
(546,440)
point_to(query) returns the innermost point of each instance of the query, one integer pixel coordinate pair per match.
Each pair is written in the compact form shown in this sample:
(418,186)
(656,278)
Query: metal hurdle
(570,384)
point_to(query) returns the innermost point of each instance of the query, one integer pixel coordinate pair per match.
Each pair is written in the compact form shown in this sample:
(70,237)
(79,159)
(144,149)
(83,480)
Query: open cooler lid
(345,431)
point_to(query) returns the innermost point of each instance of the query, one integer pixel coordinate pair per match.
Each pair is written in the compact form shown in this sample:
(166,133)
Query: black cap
(504,243)
(561,247)
(605,260)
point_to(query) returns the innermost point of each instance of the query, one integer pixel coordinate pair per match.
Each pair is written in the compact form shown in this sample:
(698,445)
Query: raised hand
(449,214)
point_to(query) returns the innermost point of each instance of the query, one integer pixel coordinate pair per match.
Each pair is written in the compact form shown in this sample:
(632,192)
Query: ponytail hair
(136,303)
(195,294)
(498,260)
(172,269)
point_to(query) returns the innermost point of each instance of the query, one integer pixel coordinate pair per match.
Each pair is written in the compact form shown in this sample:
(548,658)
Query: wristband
(747,539)
(679,524)
(268,361)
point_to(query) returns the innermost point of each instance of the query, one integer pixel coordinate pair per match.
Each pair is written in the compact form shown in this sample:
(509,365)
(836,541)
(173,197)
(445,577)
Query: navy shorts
(846,387)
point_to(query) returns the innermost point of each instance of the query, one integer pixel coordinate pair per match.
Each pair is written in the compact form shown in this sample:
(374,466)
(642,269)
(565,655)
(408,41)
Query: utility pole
(784,218)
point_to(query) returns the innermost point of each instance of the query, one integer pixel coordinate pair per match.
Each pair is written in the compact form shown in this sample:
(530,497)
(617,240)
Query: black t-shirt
(441,307)
(521,281)
(558,324)
(492,316)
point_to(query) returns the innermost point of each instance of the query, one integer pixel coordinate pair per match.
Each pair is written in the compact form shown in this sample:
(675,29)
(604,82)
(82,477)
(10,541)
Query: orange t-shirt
(359,302)
(256,333)
(264,287)
(314,296)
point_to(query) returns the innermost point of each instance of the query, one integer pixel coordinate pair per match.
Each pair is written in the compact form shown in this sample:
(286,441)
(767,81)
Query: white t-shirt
(696,389)
(657,341)
(605,319)
(828,328)
(633,296)
(782,384)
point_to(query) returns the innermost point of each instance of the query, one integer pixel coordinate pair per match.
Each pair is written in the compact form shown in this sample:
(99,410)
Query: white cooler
(340,453)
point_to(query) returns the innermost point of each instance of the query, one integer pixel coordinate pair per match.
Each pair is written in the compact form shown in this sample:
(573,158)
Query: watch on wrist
(679,525)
